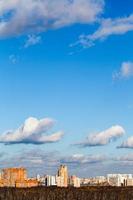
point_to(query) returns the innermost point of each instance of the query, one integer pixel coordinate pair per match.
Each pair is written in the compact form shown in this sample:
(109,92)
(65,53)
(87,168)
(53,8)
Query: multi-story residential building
(92,181)
(50,180)
(63,174)
(60,181)
(85,181)
(16,177)
(118,179)
(129,182)
(74,181)
(12,175)
(30,182)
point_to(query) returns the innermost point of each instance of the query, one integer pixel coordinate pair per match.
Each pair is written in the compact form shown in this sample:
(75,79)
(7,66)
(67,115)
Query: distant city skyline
(66,80)
(17,177)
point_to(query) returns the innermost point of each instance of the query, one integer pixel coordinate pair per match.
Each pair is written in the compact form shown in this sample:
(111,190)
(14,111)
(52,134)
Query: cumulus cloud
(34,16)
(33,131)
(104,137)
(127,144)
(108,27)
(126,71)
(32,40)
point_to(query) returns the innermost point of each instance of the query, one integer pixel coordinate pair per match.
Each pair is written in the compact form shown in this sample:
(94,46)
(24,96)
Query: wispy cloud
(39,161)
(127,144)
(128,158)
(13,59)
(40,16)
(35,160)
(108,27)
(80,159)
(33,131)
(104,137)
(32,40)
(126,71)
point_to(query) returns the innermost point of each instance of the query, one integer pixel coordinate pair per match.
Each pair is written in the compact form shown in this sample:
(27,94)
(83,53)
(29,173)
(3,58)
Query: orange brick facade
(27,183)
(16,177)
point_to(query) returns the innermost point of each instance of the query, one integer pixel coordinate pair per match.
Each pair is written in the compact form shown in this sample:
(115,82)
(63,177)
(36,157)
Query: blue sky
(77,71)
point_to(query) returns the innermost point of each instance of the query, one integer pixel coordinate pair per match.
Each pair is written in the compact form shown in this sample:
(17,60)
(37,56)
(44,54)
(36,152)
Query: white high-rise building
(50,180)
(118,179)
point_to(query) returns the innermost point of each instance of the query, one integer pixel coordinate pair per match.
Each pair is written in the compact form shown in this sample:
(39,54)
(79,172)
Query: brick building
(16,177)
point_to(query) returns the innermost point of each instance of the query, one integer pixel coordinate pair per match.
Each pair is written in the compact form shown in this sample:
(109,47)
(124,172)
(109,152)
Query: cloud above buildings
(35,160)
(33,131)
(80,159)
(125,72)
(41,15)
(39,161)
(107,27)
(104,137)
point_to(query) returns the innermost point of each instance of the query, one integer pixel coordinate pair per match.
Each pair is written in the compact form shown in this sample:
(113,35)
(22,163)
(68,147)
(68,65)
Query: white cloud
(38,161)
(125,158)
(104,137)
(127,144)
(34,16)
(32,40)
(33,131)
(108,27)
(126,71)
(35,160)
(83,159)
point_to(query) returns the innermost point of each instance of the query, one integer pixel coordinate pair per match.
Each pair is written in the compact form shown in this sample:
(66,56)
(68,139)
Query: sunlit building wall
(60,181)
(12,175)
(118,179)
(50,180)
(74,181)
(63,173)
